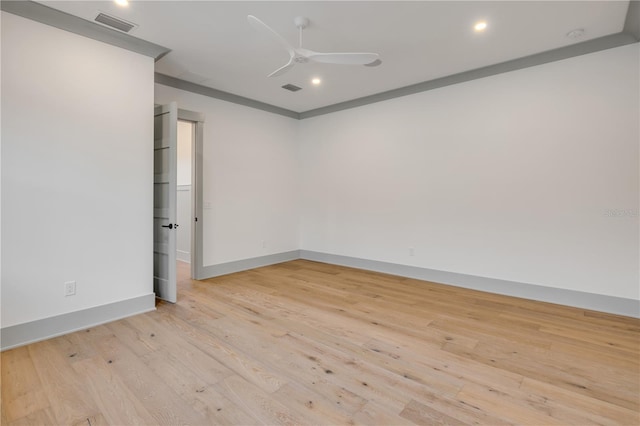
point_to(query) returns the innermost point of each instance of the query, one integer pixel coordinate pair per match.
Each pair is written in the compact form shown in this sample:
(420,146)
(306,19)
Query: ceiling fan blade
(283,69)
(343,58)
(264,28)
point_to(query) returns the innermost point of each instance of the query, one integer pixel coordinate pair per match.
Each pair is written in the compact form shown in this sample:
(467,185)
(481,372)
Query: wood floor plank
(39,417)
(77,346)
(118,404)
(94,420)
(597,355)
(309,343)
(374,413)
(65,388)
(159,399)
(588,409)
(201,363)
(140,343)
(436,364)
(238,362)
(262,406)
(432,407)
(542,365)
(607,340)
(362,375)
(422,414)
(485,330)
(196,385)
(492,400)
(295,362)
(312,406)
(22,391)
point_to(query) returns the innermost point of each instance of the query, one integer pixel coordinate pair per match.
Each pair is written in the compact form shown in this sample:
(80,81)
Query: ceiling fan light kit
(300,55)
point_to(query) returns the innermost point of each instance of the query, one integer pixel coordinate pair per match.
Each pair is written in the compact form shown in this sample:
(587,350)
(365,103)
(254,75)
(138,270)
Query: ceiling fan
(299,55)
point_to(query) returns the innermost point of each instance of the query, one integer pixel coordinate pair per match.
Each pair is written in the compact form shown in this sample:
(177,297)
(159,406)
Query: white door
(164,201)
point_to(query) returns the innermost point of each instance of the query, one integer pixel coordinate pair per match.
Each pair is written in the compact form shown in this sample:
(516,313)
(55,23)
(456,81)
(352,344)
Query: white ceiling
(213,45)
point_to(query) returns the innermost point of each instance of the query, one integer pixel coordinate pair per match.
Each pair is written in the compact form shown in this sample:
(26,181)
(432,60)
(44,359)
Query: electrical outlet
(411,251)
(264,244)
(69,288)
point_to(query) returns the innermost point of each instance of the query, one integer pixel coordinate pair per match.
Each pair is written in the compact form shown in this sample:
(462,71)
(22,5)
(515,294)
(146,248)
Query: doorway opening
(184,207)
(190,131)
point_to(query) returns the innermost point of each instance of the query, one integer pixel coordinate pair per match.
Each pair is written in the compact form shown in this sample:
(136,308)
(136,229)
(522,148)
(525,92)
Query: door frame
(197,220)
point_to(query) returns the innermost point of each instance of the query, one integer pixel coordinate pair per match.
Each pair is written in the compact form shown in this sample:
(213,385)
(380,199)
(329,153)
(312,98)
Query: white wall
(77,137)
(250,163)
(505,177)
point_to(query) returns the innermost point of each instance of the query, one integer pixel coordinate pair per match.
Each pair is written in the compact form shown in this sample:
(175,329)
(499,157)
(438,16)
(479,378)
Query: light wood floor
(308,343)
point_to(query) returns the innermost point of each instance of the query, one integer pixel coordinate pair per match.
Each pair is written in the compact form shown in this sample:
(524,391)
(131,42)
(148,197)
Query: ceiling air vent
(374,63)
(113,22)
(291,87)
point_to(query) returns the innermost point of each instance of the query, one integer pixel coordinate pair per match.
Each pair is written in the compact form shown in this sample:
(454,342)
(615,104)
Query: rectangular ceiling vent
(114,22)
(291,87)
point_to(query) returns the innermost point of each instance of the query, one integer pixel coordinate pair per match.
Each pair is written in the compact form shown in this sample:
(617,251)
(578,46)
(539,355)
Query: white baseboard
(245,264)
(578,299)
(35,331)
(183,256)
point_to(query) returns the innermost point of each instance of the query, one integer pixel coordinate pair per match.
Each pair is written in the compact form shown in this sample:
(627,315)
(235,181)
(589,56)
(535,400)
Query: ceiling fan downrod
(301,23)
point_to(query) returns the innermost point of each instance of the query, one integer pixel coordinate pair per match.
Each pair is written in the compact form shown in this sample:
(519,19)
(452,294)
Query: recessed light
(316,81)
(480,26)
(122,2)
